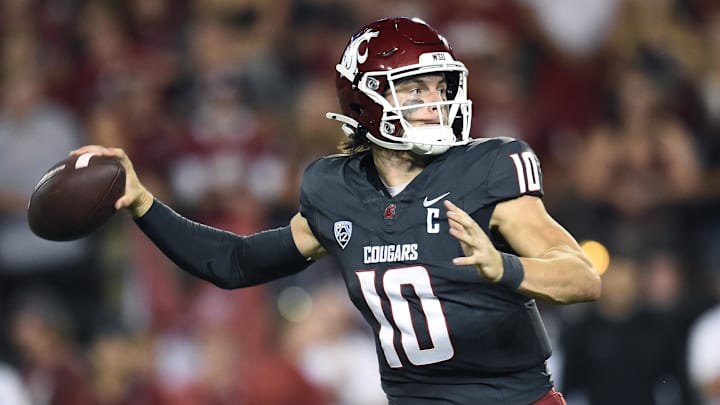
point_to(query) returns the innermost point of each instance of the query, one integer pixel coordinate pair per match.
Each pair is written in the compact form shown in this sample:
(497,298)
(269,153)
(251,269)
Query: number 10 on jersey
(528,171)
(392,282)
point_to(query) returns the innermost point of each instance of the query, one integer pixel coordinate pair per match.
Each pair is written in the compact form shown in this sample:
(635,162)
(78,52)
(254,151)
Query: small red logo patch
(389,212)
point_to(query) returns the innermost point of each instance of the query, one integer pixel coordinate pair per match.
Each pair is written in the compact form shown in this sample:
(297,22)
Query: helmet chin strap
(389,145)
(440,136)
(421,149)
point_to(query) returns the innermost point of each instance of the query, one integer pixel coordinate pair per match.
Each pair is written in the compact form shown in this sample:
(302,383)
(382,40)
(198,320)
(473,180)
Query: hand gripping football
(76,196)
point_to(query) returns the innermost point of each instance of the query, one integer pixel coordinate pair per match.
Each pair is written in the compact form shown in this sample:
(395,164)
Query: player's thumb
(122,202)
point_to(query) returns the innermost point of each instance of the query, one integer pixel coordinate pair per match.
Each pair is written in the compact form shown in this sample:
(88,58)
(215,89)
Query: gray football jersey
(434,322)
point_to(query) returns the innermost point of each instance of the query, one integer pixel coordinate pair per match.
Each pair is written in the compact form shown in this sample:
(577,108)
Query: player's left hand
(479,250)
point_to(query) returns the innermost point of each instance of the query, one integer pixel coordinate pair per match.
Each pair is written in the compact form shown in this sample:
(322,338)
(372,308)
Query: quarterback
(443,241)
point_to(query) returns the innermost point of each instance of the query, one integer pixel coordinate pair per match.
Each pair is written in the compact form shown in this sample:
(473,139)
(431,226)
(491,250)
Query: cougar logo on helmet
(352,56)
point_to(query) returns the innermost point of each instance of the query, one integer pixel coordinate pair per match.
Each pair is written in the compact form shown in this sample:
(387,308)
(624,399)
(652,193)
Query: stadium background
(221,104)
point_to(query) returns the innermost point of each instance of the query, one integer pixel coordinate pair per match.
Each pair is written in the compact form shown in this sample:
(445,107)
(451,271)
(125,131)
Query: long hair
(358,143)
(355,143)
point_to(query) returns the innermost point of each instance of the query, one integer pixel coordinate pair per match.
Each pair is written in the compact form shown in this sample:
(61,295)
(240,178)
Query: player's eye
(443,92)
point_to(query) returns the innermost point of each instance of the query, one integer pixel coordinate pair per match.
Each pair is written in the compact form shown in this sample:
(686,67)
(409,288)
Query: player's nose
(434,110)
(434,97)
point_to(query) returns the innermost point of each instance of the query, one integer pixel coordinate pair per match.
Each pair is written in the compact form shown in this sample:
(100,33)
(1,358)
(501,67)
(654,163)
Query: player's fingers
(454,223)
(132,193)
(455,220)
(96,149)
(121,203)
(452,207)
(99,150)
(463,236)
(464,261)
(118,152)
(457,216)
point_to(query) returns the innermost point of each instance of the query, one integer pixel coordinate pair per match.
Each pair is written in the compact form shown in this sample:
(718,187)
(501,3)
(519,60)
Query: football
(76,196)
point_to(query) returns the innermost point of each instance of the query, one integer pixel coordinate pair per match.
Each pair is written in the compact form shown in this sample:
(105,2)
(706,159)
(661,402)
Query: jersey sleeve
(308,185)
(515,172)
(311,187)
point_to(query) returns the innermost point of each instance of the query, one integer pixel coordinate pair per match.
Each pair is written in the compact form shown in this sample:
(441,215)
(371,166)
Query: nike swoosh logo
(427,203)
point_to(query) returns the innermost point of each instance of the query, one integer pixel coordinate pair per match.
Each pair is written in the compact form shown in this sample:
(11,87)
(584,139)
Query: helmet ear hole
(357,108)
(453,84)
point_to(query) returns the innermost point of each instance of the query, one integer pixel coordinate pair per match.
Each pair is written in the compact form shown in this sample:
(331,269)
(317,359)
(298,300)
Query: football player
(443,241)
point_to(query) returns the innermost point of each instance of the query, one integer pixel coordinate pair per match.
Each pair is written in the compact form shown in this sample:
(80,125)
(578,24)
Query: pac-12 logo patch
(343,232)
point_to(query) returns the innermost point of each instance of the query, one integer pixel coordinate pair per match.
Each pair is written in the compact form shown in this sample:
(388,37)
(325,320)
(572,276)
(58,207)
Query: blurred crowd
(221,103)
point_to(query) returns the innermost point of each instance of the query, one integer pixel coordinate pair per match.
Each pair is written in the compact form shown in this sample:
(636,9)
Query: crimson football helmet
(378,56)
